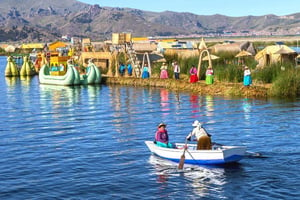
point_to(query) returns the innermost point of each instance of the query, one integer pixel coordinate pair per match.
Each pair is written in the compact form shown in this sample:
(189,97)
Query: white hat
(196,123)
(162,124)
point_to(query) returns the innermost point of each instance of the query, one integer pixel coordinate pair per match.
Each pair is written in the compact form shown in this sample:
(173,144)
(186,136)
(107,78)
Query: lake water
(87,142)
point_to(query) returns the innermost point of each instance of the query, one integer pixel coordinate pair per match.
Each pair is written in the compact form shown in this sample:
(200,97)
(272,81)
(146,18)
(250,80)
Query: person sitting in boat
(54,67)
(162,137)
(203,138)
(61,67)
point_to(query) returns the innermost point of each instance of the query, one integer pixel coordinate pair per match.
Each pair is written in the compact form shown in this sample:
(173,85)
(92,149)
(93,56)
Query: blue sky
(208,7)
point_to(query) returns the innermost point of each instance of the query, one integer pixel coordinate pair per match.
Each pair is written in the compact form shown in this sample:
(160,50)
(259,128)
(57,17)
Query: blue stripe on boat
(234,158)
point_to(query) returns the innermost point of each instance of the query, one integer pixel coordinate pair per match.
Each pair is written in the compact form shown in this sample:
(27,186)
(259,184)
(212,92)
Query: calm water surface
(87,142)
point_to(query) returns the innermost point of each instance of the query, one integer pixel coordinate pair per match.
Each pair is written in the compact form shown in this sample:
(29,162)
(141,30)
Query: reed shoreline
(216,89)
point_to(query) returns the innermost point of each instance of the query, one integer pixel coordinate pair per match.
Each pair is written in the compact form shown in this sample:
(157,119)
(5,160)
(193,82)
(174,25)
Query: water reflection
(202,179)
(26,80)
(56,98)
(93,95)
(194,100)
(209,106)
(12,81)
(126,105)
(164,101)
(247,109)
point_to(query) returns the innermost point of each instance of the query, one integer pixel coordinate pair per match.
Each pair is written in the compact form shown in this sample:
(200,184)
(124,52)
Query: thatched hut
(274,54)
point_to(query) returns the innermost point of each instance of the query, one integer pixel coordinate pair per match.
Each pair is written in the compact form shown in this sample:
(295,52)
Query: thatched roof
(154,57)
(144,47)
(243,53)
(10,48)
(274,53)
(231,47)
(274,49)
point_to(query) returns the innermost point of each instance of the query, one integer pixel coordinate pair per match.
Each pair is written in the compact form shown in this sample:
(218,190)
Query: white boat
(216,156)
(93,75)
(71,77)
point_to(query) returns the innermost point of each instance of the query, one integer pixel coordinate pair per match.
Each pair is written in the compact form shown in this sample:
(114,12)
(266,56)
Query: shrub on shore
(287,84)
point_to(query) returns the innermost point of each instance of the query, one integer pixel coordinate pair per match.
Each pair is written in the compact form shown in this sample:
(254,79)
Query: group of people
(203,138)
(209,74)
(164,71)
(193,73)
(123,67)
(55,67)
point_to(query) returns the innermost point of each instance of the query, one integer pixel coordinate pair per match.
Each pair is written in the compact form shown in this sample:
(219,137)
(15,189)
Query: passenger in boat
(61,67)
(162,137)
(54,67)
(203,138)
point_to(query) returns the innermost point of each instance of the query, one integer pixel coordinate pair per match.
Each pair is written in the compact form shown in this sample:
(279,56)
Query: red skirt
(193,78)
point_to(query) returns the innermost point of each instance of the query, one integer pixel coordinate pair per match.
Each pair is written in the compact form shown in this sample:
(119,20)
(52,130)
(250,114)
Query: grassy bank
(216,89)
(277,80)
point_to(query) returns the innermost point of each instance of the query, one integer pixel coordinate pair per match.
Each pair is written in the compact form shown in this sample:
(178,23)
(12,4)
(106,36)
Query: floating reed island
(216,89)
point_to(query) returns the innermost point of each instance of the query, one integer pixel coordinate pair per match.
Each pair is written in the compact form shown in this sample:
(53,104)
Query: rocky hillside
(48,20)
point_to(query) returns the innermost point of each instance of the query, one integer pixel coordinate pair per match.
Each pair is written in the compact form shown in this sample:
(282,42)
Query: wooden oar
(182,158)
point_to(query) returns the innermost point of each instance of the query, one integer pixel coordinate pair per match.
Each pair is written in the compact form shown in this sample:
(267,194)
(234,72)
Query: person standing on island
(193,74)
(145,73)
(122,69)
(163,71)
(209,79)
(176,70)
(129,69)
(247,76)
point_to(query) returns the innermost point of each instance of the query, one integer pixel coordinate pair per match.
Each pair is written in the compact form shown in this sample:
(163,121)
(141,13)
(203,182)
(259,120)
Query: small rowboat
(216,156)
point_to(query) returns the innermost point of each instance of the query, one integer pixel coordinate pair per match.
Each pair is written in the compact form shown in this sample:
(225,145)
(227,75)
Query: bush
(270,73)
(287,84)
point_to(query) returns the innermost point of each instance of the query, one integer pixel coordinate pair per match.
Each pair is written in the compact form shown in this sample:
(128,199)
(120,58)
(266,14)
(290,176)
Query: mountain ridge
(48,20)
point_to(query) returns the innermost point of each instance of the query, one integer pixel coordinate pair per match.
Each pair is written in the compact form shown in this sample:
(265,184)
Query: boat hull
(67,79)
(216,156)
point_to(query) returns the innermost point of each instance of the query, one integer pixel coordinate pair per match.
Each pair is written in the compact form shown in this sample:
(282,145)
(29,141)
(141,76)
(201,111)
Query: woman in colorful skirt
(193,74)
(247,76)
(145,73)
(209,79)
(163,71)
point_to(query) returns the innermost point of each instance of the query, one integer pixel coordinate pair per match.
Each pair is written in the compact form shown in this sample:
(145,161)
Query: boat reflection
(55,97)
(26,80)
(202,179)
(12,81)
